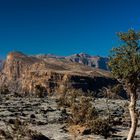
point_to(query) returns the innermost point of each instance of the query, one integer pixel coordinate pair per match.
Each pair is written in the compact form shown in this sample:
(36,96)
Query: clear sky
(64,27)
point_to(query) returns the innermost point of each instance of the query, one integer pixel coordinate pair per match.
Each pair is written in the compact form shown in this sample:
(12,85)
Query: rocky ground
(43,115)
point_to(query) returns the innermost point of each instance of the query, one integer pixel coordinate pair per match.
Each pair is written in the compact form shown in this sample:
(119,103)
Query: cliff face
(22,74)
(1,64)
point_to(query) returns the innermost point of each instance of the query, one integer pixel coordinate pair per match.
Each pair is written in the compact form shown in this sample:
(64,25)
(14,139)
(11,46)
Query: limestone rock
(22,74)
(92,61)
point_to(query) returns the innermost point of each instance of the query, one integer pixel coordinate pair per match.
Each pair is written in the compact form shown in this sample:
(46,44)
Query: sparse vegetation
(40,91)
(84,113)
(68,97)
(4,90)
(113,92)
(19,130)
(101,126)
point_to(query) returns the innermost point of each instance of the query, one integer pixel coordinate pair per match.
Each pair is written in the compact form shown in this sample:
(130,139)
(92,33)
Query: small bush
(113,92)
(69,97)
(19,130)
(40,91)
(102,127)
(16,128)
(4,90)
(82,111)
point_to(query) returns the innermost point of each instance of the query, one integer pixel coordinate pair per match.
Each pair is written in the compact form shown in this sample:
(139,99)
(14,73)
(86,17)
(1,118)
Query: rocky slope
(83,58)
(22,73)
(92,61)
(1,64)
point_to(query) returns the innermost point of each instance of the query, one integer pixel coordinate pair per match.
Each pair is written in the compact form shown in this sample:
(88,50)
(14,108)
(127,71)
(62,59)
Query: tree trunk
(133,115)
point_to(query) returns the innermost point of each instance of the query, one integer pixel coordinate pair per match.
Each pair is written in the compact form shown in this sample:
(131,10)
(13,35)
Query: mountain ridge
(23,73)
(82,58)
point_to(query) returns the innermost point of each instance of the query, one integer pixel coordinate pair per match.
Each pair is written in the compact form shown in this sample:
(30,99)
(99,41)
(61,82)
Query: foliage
(102,127)
(69,97)
(124,60)
(40,91)
(113,92)
(80,105)
(84,113)
(18,130)
(4,90)
(125,66)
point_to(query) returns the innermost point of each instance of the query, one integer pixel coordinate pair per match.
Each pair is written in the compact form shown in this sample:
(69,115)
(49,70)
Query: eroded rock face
(1,64)
(82,58)
(22,73)
(92,61)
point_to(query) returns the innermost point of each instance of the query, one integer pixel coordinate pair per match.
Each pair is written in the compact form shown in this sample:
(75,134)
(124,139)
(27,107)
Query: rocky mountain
(83,58)
(92,61)
(24,74)
(1,64)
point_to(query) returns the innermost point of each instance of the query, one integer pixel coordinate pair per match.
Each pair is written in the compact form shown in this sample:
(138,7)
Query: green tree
(125,67)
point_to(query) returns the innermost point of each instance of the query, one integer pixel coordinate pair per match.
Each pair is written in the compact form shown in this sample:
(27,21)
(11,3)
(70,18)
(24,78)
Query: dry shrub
(19,130)
(80,105)
(4,90)
(69,97)
(83,112)
(102,127)
(113,92)
(40,91)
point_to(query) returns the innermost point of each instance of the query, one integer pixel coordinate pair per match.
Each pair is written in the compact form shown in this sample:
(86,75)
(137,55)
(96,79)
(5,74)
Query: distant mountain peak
(82,54)
(82,58)
(92,61)
(15,54)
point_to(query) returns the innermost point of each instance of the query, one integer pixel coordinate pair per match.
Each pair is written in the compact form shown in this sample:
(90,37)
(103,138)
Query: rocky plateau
(43,115)
(21,73)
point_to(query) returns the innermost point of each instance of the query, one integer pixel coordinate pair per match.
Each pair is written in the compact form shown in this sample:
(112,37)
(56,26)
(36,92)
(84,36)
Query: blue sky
(64,27)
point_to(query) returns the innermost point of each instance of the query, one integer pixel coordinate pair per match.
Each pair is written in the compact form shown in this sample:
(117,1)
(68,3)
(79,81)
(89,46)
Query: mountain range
(23,74)
(83,58)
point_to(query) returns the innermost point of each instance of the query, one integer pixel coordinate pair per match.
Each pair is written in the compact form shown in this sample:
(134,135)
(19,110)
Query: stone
(31,75)
(32,116)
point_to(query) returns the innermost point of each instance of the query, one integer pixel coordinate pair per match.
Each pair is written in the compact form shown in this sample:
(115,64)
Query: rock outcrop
(92,61)
(1,64)
(82,58)
(22,74)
